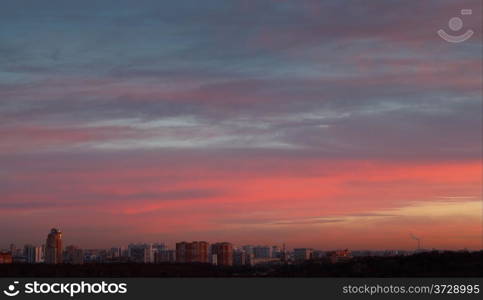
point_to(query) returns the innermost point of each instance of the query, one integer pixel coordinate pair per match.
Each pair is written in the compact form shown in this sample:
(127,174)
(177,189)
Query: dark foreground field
(433,264)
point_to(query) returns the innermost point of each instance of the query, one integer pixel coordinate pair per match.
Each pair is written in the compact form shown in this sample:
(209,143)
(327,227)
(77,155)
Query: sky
(324,124)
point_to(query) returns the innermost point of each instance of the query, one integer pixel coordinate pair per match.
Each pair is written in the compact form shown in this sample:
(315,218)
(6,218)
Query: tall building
(302,254)
(33,254)
(262,252)
(214,259)
(182,252)
(196,251)
(223,252)
(159,247)
(141,253)
(115,252)
(165,256)
(73,255)
(240,257)
(53,247)
(13,249)
(283,254)
(248,249)
(276,252)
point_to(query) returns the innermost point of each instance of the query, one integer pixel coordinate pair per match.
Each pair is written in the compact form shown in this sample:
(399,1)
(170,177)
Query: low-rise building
(6,258)
(339,255)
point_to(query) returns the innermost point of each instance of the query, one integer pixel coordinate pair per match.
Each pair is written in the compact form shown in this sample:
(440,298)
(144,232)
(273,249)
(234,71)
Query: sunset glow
(253,122)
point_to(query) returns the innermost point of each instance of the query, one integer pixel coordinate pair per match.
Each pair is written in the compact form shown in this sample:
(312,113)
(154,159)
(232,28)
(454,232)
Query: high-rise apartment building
(182,252)
(241,257)
(53,247)
(223,253)
(262,252)
(33,254)
(141,253)
(165,256)
(196,251)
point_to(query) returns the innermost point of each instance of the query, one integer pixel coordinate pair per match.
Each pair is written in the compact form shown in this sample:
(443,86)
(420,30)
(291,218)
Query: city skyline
(223,259)
(224,254)
(219,253)
(55,241)
(254,122)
